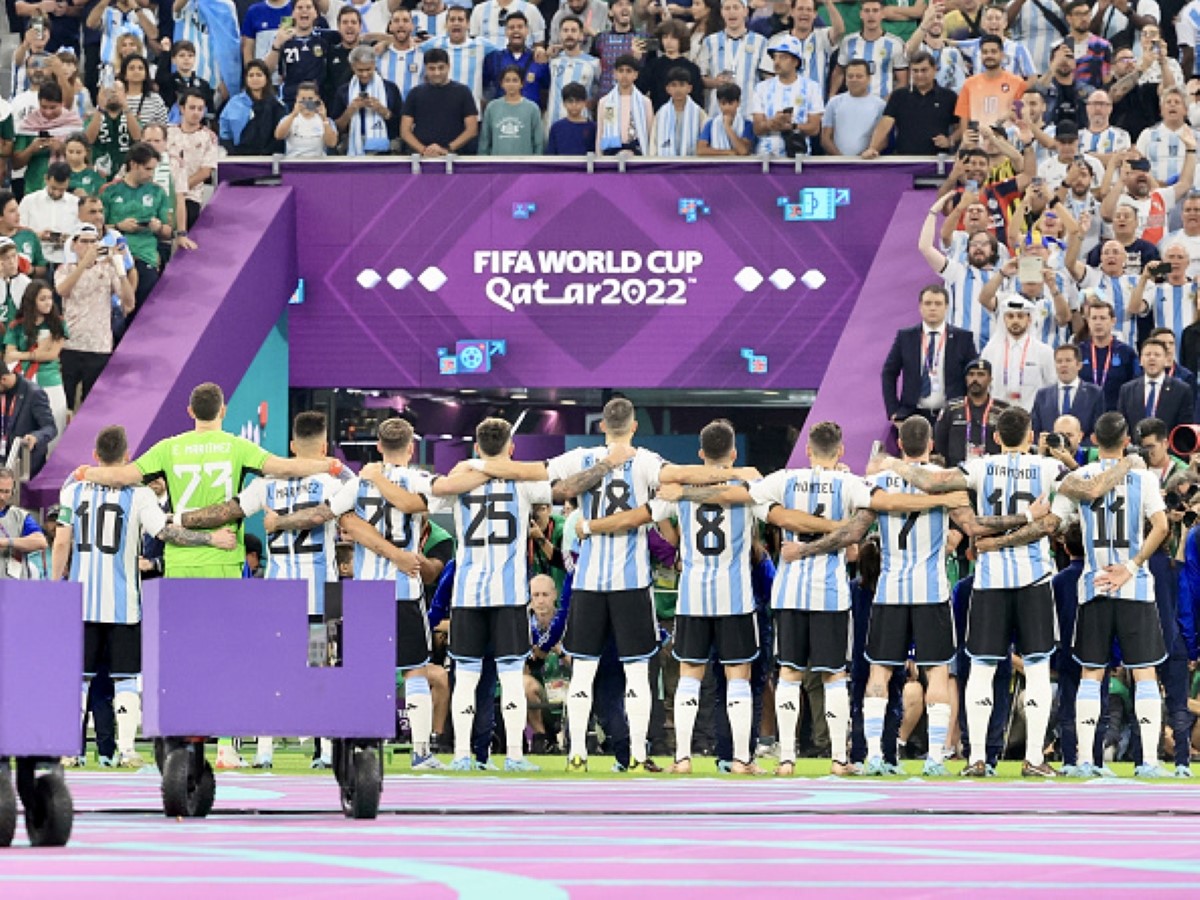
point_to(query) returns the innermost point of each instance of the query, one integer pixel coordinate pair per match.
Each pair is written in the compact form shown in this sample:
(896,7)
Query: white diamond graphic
(399,279)
(748,279)
(813,279)
(782,279)
(432,278)
(368,278)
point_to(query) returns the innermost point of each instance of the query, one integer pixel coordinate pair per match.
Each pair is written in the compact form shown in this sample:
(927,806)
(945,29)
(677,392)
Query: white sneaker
(228,758)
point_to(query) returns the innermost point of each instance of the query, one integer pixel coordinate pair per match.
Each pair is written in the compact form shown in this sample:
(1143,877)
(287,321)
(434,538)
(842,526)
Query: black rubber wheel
(8,807)
(362,790)
(184,793)
(48,819)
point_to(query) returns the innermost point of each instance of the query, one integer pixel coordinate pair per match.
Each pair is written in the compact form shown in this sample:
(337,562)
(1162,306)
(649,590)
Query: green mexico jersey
(202,468)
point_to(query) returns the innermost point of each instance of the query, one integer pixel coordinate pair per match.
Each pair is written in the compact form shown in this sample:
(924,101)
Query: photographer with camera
(1070,396)
(1164,287)
(1063,443)
(1155,394)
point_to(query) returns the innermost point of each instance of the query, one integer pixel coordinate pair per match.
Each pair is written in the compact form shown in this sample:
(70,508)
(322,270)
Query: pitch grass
(297,761)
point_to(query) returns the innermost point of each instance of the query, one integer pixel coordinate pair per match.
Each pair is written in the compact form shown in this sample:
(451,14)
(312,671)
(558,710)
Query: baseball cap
(788,45)
(1066,130)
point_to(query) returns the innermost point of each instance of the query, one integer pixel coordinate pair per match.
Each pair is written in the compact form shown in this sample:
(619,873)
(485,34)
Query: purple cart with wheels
(41,662)
(231,658)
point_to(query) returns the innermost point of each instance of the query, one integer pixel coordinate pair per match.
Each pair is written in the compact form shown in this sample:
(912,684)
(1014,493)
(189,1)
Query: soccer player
(383,512)
(202,467)
(1011,592)
(1115,498)
(304,554)
(491,587)
(100,533)
(912,598)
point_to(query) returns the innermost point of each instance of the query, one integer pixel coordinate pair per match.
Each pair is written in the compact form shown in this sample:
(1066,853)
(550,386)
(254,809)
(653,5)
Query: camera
(309,103)
(1159,271)
(1056,441)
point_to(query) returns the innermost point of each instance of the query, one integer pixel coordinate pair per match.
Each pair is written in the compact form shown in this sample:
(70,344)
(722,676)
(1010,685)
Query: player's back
(1007,484)
(106,530)
(913,570)
(307,554)
(714,548)
(492,527)
(612,562)
(1113,529)
(402,530)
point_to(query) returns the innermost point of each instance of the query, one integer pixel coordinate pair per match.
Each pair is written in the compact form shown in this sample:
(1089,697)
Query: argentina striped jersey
(913,546)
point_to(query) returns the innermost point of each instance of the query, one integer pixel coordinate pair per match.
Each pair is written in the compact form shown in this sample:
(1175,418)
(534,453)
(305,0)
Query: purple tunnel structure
(231,657)
(41,665)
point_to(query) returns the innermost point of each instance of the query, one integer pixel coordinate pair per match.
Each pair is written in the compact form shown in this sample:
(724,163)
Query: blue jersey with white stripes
(964,283)
(1005,484)
(913,547)
(309,554)
(886,55)
(466,61)
(106,525)
(1113,529)
(818,583)
(714,550)
(404,68)
(492,526)
(1173,305)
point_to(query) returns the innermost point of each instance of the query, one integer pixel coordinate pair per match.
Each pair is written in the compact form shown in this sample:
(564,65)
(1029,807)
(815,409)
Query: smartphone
(287,22)
(652,44)
(788,110)
(972,124)
(1018,108)
(1029,269)
(972,186)
(43,134)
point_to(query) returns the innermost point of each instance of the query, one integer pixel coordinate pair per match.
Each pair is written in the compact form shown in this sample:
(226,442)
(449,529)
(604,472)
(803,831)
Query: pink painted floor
(488,838)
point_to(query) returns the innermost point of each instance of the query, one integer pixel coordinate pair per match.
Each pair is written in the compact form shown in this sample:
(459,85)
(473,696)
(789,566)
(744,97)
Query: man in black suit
(25,416)
(1155,394)
(1071,396)
(933,358)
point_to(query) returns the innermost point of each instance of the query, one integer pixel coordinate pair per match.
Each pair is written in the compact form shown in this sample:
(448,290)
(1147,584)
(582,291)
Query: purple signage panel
(710,278)
(231,657)
(41,668)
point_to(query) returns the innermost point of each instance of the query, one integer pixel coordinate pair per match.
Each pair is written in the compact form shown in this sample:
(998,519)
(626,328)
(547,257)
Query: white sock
(637,707)
(874,711)
(579,704)
(127,705)
(514,709)
(327,751)
(265,749)
(739,705)
(1087,715)
(418,704)
(1038,698)
(687,704)
(1147,706)
(84,720)
(462,702)
(979,708)
(837,716)
(787,714)
(939,725)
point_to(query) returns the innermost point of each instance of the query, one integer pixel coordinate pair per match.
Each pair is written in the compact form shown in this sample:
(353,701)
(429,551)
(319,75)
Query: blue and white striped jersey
(487,21)
(1005,484)
(1165,150)
(1113,528)
(309,554)
(964,283)
(190,25)
(818,52)
(492,527)
(819,583)
(1104,142)
(913,546)
(400,529)
(1033,31)
(106,539)
(886,54)
(404,68)
(714,550)
(432,25)
(466,61)
(115,23)
(583,69)
(1118,292)
(612,562)
(1173,305)
(738,57)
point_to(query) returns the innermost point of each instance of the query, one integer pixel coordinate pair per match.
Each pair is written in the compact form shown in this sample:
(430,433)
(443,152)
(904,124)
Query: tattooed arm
(1029,533)
(225,539)
(850,533)
(980,526)
(300,520)
(213,516)
(726,494)
(1079,488)
(703,475)
(929,480)
(617,523)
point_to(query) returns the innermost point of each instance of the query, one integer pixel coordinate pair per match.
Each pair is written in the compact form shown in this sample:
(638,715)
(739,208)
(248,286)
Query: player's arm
(1029,533)
(725,494)
(511,469)
(845,535)
(295,467)
(885,501)
(462,478)
(617,523)
(362,533)
(299,520)
(927,479)
(1081,489)
(705,475)
(801,522)
(404,500)
(582,482)
(974,526)
(110,476)
(60,555)
(223,539)
(1117,574)
(213,516)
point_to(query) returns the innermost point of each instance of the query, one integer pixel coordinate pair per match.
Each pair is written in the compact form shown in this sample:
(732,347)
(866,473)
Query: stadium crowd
(1065,244)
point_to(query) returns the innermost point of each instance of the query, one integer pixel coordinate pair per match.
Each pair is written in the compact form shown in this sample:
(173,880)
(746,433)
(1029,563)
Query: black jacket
(905,357)
(29,414)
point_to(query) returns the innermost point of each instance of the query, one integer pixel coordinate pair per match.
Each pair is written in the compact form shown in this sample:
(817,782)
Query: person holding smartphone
(139,209)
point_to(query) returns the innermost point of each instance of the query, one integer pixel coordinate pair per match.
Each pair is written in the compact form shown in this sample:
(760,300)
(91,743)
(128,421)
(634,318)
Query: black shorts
(501,632)
(117,647)
(735,637)
(894,628)
(819,641)
(1135,625)
(626,615)
(999,618)
(413,640)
